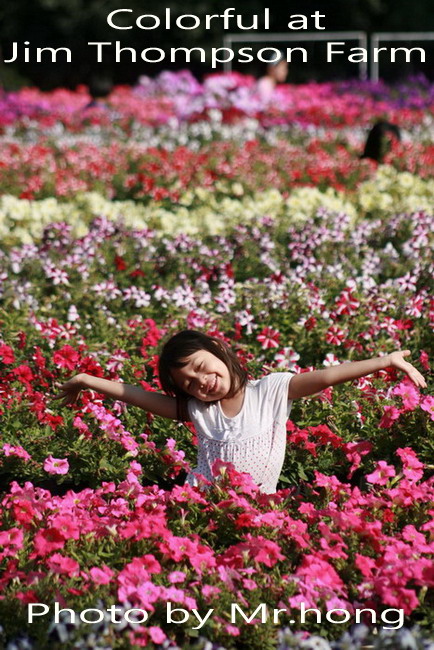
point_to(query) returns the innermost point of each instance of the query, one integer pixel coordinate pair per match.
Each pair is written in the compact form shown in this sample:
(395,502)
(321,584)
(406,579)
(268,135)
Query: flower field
(180,205)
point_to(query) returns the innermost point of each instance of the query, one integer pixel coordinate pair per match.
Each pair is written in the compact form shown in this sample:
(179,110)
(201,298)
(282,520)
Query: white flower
(286,358)
(73,314)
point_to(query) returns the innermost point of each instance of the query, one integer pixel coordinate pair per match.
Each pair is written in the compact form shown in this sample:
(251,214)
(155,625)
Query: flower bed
(329,543)
(180,96)
(206,211)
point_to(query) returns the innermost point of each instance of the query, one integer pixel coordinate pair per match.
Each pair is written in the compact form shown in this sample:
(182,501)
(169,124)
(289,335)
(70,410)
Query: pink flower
(399,597)
(424,359)
(13,537)
(149,593)
(390,415)
(321,573)
(156,633)
(66,525)
(410,534)
(101,576)
(48,540)
(381,474)
(413,468)
(365,565)
(409,394)
(176,576)
(269,338)
(428,405)
(10,450)
(177,595)
(82,426)
(354,452)
(56,465)
(232,630)
(264,550)
(208,591)
(60,564)
(258,549)
(150,563)
(329,482)
(338,603)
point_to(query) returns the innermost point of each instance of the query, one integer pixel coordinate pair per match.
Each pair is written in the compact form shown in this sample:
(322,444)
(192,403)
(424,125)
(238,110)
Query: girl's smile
(204,376)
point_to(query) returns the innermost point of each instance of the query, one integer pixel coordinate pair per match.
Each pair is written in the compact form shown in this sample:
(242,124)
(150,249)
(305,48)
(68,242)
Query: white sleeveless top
(254,440)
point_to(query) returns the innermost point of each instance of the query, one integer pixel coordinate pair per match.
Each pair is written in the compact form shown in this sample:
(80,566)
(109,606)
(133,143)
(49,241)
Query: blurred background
(73,23)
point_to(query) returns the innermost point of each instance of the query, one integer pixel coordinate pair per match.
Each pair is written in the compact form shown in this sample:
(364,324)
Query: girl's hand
(396,360)
(70,390)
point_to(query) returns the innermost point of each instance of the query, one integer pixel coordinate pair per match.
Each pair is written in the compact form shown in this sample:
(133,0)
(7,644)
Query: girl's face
(279,71)
(204,377)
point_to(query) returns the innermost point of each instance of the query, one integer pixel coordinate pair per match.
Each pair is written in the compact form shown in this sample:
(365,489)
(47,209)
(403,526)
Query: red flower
(404,324)
(6,353)
(269,338)
(335,335)
(27,597)
(151,338)
(23,374)
(120,263)
(66,357)
(310,323)
(39,358)
(22,338)
(229,270)
(90,366)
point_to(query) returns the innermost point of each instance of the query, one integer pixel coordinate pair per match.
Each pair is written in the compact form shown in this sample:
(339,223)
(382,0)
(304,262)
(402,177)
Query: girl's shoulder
(268,398)
(273,386)
(273,379)
(195,406)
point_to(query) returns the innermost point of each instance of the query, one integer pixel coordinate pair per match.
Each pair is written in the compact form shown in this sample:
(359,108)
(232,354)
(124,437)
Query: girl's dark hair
(376,144)
(185,343)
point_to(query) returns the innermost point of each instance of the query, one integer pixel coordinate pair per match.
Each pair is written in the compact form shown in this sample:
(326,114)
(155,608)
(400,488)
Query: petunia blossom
(409,394)
(66,357)
(390,415)
(269,338)
(382,473)
(101,575)
(56,465)
(428,405)
(17,450)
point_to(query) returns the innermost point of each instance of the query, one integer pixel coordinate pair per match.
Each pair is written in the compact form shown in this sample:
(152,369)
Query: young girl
(237,420)
(276,73)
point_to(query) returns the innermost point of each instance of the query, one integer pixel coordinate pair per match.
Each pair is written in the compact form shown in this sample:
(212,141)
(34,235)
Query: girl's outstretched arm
(155,403)
(309,383)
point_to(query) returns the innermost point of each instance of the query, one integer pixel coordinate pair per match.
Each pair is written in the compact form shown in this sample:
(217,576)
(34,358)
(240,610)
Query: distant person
(276,73)
(378,141)
(100,88)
